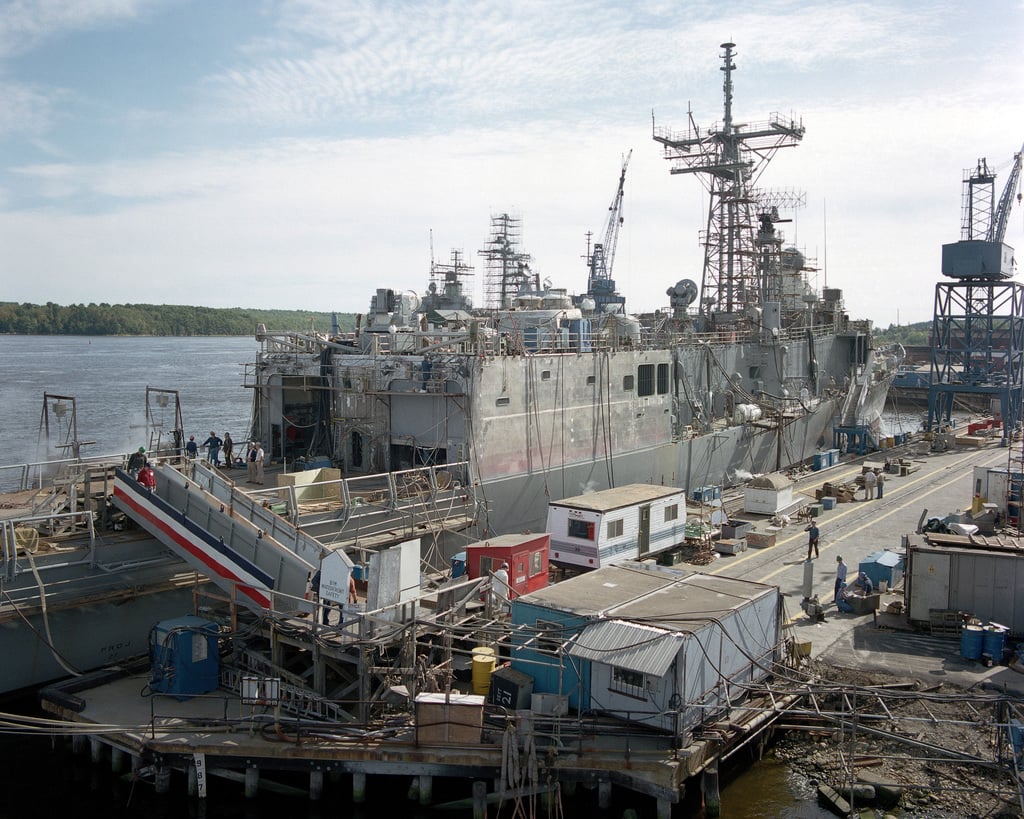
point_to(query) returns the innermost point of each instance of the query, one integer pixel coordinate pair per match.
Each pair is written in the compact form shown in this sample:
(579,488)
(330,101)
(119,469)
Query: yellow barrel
(483,666)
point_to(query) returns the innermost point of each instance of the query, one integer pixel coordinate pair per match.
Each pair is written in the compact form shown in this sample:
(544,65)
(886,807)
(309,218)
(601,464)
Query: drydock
(403,693)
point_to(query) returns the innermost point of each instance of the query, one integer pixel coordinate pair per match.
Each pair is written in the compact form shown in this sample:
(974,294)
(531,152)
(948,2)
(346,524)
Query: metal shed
(987,582)
(656,646)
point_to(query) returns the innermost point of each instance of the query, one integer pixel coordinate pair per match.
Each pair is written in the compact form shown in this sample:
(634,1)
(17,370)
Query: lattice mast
(508,267)
(729,159)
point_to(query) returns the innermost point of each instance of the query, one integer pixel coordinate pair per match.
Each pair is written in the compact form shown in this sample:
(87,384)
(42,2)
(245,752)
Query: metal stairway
(227,540)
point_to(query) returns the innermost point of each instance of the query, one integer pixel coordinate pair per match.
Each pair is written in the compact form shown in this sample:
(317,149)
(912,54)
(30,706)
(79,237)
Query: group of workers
(141,467)
(842,591)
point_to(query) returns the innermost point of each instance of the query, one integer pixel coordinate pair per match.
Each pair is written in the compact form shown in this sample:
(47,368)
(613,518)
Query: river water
(108,378)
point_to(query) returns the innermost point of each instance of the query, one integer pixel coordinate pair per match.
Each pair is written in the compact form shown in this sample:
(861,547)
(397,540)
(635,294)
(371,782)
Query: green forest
(913,334)
(157,320)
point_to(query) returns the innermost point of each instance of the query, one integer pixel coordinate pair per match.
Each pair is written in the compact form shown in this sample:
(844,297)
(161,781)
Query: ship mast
(729,159)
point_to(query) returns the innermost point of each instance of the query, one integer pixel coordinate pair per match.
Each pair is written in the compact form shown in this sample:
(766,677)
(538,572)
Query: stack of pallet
(842,492)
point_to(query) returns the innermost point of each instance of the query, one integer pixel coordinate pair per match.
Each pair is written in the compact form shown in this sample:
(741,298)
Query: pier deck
(228,735)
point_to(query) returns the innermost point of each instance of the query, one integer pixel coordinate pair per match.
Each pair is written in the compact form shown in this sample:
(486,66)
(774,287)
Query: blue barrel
(972,641)
(993,643)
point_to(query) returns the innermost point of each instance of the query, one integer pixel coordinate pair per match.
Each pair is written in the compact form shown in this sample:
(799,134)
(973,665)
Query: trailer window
(549,637)
(625,681)
(614,528)
(672,512)
(581,529)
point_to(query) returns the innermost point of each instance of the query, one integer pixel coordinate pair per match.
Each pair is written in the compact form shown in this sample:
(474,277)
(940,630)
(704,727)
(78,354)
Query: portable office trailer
(659,647)
(625,523)
(988,583)
(526,555)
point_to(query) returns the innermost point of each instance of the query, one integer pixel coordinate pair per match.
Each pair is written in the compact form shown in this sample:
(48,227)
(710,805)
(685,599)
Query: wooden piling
(709,787)
(252,782)
(316,784)
(604,794)
(479,799)
(359,788)
(426,790)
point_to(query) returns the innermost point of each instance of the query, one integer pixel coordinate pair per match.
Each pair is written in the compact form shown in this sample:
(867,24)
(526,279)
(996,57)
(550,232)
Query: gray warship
(541,394)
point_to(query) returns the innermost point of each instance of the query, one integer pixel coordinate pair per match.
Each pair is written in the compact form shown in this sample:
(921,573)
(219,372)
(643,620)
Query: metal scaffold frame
(978,348)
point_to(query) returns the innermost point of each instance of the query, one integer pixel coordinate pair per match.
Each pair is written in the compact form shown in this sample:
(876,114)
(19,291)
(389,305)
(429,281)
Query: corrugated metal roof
(608,499)
(638,648)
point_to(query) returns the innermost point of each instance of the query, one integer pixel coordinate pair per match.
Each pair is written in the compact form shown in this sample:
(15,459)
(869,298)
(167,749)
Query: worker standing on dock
(255,463)
(812,538)
(500,589)
(840,577)
(136,461)
(147,477)
(213,443)
(229,449)
(870,480)
(879,480)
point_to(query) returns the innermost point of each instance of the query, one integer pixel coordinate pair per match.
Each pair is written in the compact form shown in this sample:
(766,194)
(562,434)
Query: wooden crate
(452,719)
(760,540)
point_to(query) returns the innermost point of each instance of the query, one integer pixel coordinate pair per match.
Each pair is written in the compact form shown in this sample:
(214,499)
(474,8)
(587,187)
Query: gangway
(226,540)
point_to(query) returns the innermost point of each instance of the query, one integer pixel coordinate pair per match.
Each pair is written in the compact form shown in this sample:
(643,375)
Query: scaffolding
(508,267)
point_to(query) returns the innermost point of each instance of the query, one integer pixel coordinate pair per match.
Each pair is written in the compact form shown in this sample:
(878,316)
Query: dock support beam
(604,794)
(117,760)
(95,750)
(192,780)
(664,809)
(479,799)
(358,788)
(78,743)
(316,784)
(252,782)
(709,786)
(426,790)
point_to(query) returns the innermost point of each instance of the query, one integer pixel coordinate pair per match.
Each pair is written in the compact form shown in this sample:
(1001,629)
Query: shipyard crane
(978,324)
(980,253)
(600,285)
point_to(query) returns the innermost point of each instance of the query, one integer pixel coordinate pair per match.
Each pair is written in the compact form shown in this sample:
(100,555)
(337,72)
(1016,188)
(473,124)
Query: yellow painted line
(930,476)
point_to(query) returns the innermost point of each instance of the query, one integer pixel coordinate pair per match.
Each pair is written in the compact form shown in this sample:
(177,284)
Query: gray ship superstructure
(544,395)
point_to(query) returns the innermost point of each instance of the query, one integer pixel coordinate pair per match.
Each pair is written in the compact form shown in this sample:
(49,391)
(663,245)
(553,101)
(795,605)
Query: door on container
(643,538)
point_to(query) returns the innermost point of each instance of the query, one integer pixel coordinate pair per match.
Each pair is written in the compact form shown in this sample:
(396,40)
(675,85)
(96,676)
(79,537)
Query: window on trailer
(582,529)
(631,683)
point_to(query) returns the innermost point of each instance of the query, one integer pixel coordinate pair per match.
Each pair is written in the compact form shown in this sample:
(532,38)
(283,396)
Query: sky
(299,154)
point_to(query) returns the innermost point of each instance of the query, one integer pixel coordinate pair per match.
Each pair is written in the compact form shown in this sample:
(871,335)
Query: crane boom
(1001,217)
(615,219)
(600,285)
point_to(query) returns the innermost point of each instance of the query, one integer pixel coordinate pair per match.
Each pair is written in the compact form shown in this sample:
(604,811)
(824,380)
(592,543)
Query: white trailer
(625,523)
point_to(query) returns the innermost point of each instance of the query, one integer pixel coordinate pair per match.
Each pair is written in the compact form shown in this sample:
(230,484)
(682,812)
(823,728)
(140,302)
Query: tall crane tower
(978,324)
(601,259)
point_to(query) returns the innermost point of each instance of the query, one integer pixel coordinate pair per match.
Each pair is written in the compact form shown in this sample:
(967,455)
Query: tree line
(918,334)
(157,320)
